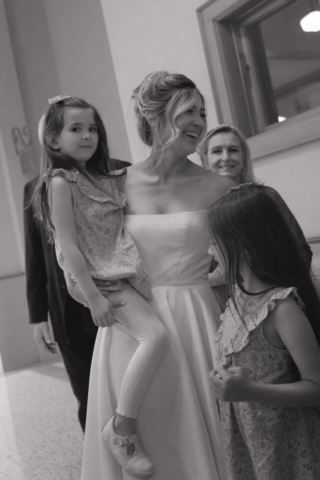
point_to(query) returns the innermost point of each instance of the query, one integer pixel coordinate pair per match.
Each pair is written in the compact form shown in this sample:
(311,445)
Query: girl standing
(78,199)
(268,377)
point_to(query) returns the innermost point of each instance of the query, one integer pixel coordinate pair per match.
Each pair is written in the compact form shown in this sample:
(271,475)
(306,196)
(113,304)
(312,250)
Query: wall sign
(22,144)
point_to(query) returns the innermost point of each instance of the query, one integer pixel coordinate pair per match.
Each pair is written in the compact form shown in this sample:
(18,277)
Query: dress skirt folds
(178,421)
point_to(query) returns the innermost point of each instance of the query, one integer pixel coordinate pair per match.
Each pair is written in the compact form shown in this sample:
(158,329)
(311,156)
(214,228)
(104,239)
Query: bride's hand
(216,278)
(102,311)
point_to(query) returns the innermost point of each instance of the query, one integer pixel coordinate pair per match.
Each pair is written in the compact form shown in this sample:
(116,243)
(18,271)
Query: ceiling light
(311,21)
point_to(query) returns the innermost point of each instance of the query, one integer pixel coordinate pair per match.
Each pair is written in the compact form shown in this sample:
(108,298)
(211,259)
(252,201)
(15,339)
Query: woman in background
(224,150)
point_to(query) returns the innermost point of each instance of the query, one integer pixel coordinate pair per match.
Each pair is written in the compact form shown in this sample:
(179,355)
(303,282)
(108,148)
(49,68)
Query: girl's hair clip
(58,98)
(41,126)
(234,189)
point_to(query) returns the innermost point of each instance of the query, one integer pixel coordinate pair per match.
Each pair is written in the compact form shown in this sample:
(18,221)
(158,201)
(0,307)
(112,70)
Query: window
(264,70)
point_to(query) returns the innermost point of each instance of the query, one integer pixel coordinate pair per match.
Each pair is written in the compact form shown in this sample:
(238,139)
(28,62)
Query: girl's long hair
(51,125)
(247,224)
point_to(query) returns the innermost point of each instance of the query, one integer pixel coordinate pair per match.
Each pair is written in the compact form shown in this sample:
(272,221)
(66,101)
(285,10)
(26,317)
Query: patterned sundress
(110,253)
(264,442)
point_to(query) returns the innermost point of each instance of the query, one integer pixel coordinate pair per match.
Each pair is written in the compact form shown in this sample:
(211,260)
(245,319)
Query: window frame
(228,71)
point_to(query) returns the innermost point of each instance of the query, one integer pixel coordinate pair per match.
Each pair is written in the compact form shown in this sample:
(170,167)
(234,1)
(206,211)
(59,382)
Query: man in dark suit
(72,325)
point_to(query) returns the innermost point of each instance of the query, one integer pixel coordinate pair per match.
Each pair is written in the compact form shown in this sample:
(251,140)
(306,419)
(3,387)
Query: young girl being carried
(268,364)
(82,209)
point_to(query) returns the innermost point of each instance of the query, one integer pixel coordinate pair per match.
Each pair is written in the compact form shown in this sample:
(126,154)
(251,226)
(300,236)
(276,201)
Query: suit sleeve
(36,276)
(296,229)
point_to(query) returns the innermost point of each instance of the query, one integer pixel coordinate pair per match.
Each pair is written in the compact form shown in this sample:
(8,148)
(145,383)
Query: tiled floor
(40,437)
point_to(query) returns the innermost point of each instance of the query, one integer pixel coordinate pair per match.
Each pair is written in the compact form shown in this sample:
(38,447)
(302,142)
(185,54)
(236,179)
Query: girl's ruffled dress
(110,253)
(264,442)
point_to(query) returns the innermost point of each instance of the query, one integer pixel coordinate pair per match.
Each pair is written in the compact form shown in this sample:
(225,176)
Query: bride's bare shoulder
(218,185)
(135,172)
(132,176)
(220,182)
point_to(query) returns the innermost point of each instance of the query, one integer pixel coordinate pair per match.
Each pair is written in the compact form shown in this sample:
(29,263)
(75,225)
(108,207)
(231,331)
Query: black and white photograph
(160,239)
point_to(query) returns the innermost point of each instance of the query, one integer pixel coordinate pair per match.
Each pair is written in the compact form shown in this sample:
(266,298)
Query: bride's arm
(218,186)
(216,277)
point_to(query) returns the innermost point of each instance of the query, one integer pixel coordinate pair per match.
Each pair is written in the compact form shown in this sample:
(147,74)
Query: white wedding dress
(178,421)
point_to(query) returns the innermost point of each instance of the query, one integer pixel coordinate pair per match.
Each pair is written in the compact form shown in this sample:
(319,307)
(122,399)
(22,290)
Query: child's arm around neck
(289,323)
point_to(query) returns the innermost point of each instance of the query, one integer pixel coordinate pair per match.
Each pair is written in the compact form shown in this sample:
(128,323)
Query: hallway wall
(17,346)
(84,63)
(295,173)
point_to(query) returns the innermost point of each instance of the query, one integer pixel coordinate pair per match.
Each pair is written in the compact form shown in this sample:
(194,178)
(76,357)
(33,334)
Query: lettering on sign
(21,139)
(22,144)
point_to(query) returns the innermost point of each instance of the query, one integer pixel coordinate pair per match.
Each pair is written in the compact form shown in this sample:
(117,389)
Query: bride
(167,200)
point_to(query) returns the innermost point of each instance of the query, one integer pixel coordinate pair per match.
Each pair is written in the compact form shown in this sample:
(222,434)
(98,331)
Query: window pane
(287,62)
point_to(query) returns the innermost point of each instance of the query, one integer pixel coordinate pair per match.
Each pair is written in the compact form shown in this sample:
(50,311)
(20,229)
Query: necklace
(253,294)
(262,291)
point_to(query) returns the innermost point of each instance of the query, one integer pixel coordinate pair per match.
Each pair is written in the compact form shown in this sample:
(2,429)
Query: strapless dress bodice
(174,246)
(178,419)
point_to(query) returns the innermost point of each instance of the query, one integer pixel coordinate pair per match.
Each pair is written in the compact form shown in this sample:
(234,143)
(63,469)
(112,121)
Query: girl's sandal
(137,463)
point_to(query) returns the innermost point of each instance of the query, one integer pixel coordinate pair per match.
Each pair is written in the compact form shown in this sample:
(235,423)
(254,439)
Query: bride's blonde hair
(158,101)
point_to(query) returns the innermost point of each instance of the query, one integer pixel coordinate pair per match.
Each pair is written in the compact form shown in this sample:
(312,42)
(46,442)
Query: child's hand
(232,385)
(102,311)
